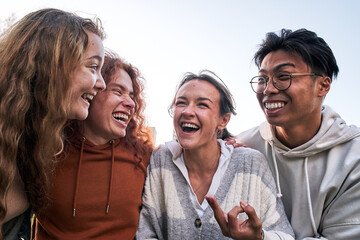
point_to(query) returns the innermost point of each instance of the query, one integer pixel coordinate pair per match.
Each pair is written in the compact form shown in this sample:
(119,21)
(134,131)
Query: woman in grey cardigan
(182,172)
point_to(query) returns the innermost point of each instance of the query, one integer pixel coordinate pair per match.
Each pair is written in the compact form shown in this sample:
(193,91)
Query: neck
(96,140)
(295,136)
(202,160)
(202,165)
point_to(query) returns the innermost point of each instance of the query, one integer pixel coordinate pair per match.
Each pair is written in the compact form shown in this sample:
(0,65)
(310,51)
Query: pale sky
(165,39)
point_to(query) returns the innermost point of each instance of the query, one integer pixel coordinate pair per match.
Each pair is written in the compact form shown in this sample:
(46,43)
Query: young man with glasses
(313,154)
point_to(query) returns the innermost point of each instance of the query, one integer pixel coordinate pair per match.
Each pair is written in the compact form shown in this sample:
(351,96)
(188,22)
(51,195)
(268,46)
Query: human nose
(270,88)
(129,102)
(188,110)
(100,83)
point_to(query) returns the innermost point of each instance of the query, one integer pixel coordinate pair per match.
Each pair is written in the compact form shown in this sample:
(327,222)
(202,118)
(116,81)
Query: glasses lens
(258,84)
(282,81)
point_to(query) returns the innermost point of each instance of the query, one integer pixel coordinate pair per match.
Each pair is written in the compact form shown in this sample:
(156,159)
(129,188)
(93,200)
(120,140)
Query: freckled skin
(197,102)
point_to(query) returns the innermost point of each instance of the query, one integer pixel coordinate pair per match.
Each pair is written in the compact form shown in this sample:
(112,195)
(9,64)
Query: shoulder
(248,133)
(162,151)
(252,164)
(346,156)
(162,156)
(249,136)
(249,153)
(250,158)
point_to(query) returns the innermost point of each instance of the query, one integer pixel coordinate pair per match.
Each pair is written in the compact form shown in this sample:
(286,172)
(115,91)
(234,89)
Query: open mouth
(189,127)
(121,117)
(87,97)
(274,105)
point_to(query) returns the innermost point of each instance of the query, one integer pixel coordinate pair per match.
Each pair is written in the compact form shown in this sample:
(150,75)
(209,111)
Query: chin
(186,144)
(79,115)
(275,122)
(121,134)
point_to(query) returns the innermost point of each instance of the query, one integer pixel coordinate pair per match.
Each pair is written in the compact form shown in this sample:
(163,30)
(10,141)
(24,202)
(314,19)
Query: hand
(232,141)
(233,227)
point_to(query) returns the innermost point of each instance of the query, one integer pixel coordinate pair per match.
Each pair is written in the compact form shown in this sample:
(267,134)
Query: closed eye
(179,103)
(203,105)
(262,80)
(118,91)
(283,76)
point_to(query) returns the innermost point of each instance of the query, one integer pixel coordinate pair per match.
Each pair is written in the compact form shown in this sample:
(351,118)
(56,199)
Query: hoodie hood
(333,131)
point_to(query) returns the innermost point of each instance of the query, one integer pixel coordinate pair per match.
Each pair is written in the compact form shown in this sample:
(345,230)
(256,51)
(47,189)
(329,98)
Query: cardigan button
(198,222)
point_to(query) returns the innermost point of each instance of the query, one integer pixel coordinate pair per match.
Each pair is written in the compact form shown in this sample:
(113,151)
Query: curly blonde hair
(37,57)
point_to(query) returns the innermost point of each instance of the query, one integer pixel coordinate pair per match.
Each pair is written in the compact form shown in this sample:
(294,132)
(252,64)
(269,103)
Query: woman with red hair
(99,182)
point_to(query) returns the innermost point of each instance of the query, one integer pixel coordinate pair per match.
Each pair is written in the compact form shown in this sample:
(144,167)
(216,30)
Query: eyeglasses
(280,80)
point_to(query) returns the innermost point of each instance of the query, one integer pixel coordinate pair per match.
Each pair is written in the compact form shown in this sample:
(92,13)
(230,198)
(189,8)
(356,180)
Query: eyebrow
(99,58)
(204,99)
(198,99)
(278,67)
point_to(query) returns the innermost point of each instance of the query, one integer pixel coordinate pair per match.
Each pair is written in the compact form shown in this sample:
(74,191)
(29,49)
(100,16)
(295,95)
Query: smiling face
(86,79)
(111,110)
(197,114)
(299,105)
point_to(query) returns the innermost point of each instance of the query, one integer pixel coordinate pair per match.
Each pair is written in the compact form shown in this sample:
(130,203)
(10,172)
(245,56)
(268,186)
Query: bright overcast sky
(165,39)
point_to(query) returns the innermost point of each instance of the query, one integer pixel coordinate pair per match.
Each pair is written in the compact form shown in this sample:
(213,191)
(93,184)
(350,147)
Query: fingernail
(243,204)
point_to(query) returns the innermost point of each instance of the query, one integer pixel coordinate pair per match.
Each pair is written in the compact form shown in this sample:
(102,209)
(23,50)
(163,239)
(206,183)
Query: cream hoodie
(319,181)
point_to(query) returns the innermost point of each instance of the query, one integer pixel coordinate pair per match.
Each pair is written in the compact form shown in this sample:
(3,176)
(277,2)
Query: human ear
(324,86)
(224,119)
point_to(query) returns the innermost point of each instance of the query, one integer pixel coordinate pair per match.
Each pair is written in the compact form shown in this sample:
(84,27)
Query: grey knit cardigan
(168,212)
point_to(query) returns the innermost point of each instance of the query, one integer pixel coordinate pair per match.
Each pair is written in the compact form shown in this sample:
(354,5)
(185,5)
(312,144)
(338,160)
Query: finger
(239,145)
(254,221)
(230,141)
(234,221)
(219,214)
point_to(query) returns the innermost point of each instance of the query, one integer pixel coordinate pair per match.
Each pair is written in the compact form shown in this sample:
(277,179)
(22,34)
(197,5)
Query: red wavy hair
(137,135)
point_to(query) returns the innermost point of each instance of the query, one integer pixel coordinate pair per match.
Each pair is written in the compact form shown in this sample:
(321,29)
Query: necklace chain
(211,175)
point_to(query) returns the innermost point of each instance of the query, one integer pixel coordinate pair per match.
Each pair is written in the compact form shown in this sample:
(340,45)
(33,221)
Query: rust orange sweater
(96,194)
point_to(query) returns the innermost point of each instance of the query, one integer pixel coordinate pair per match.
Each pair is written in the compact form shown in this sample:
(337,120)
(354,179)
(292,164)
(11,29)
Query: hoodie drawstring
(279,194)
(111,175)
(78,176)
(309,199)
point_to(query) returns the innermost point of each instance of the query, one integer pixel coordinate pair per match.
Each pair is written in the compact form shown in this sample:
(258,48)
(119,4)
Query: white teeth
(88,96)
(121,117)
(190,125)
(272,106)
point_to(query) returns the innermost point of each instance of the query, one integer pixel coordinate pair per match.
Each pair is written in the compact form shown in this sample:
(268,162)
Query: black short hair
(314,51)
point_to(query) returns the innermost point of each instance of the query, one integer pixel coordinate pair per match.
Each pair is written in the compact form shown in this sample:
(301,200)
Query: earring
(219,133)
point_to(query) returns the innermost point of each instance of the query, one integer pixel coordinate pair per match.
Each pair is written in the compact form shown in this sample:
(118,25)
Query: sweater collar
(176,149)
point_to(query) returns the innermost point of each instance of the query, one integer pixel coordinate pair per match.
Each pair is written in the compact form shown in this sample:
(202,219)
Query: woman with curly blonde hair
(50,70)
(98,184)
